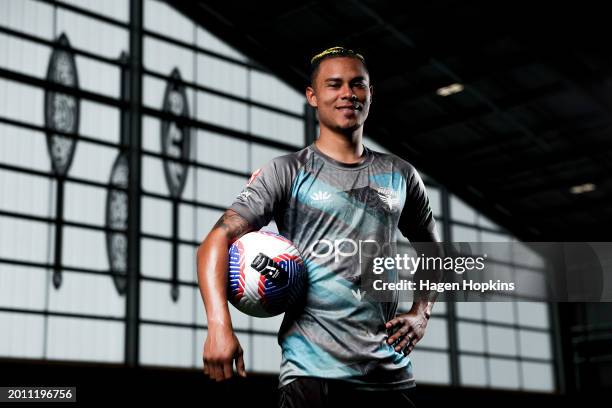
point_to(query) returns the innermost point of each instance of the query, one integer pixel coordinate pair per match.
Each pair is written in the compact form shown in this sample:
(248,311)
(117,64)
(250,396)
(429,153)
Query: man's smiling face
(342,93)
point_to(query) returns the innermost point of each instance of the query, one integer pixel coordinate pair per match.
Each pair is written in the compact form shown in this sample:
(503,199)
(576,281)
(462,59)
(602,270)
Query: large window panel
(84,248)
(537,377)
(22,287)
(151,134)
(221,111)
(431,366)
(166,346)
(25,240)
(23,148)
(115,9)
(222,75)
(153,91)
(186,223)
(221,151)
(93,162)
(436,335)
(473,371)
(471,337)
(218,188)
(85,204)
(99,121)
(535,344)
(269,90)
(29,194)
(162,57)
(187,263)
(161,18)
(460,211)
(83,293)
(155,258)
(28,16)
(501,341)
(21,102)
(153,178)
(81,339)
(276,126)
(156,216)
(156,303)
(502,312)
(23,335)
(533,314)
(471,310)
(33,60)
(88,34)
(504,373)
(99,77)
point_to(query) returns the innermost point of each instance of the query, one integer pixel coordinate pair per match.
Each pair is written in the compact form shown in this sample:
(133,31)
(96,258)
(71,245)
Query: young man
(339,347)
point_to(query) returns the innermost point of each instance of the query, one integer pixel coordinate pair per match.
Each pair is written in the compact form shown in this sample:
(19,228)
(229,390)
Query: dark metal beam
(132,312)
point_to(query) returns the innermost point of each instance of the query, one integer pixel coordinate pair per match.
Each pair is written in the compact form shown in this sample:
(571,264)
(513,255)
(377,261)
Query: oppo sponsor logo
(346,247)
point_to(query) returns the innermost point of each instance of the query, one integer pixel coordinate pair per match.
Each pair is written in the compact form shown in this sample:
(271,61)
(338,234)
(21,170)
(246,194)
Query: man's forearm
(422,307)
(212,264)
(425,299)
(212,261)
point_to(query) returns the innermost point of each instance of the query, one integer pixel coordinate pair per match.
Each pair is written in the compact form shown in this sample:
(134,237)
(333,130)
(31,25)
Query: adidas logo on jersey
(389,196)
(320,196)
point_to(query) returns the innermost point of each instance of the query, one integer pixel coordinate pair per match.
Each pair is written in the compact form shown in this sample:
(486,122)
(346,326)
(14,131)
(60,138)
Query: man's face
(341,93)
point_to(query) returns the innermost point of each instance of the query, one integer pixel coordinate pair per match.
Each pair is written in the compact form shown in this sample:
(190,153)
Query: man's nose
(347,92)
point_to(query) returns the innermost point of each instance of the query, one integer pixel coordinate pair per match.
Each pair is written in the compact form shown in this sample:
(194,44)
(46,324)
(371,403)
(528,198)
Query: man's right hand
(221,348)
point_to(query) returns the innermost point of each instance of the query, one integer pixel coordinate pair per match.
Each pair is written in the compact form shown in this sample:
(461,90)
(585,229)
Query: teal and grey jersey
(314,199)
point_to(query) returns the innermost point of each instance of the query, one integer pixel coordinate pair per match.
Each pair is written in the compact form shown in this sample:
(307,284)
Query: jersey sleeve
(263,196)
(416,221)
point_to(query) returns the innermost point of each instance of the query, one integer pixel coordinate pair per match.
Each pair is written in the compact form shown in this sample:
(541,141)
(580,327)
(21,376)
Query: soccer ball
(266,274)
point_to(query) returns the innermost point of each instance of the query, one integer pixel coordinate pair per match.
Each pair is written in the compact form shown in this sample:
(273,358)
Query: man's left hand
(410,330)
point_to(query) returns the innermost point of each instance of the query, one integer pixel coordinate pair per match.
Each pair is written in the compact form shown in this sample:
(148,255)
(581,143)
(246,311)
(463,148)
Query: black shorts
(318,392)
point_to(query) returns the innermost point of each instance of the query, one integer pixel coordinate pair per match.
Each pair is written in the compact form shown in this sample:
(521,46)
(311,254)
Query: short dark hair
(333,52)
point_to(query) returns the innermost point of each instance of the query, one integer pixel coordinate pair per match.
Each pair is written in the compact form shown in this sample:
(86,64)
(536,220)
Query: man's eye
(333,85)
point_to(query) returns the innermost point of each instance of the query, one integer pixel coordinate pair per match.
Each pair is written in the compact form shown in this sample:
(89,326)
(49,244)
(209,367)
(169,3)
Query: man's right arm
(221,347)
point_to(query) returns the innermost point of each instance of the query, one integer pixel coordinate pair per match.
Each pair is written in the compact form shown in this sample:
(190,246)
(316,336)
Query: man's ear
(311,97)
(371,93)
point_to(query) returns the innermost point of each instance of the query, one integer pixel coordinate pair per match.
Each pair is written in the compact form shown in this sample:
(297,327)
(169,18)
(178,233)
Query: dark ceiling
(534,118)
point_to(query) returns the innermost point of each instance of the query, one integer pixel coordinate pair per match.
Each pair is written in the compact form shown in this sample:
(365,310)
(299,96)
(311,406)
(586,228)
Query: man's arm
(221,347)
(418,225)
(412,324)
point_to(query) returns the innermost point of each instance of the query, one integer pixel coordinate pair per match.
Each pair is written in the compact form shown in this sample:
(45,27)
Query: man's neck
(343,148)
